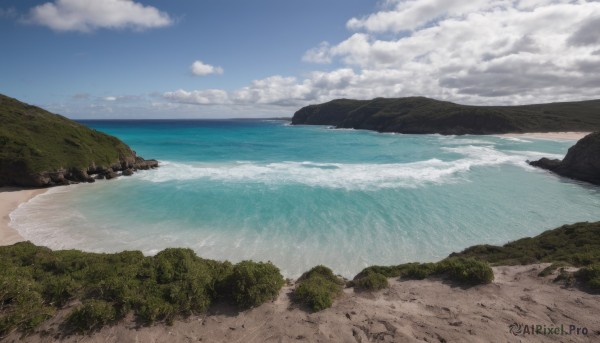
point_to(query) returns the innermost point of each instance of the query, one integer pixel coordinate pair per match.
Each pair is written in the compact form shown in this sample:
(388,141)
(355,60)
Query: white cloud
(200,68)
(319,54)
(88,15)
(476,52)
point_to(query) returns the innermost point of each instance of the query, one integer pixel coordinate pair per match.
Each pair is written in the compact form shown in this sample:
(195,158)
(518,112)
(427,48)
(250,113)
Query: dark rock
(100,177)
(546,163)
(582,161)
(65,152)
(127,172)
(111,175)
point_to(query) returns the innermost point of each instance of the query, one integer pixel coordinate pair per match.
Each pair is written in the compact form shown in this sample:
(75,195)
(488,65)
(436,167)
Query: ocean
(300,196)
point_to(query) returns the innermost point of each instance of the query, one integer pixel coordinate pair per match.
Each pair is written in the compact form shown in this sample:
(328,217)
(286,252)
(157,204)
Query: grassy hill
(39,148)
(423,115)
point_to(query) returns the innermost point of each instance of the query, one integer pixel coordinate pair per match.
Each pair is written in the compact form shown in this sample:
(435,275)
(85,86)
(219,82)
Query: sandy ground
(10,199)
(408,311)
(549,135)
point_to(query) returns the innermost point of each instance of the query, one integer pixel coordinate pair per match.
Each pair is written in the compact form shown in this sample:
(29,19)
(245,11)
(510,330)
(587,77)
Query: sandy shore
(10,199)
(549,135)
(408,311)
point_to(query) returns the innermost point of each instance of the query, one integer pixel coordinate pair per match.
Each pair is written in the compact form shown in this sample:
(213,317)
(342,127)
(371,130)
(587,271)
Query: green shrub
(317,288)
(372,281)
(253,283)
(551,268)
(577,244)
(91,315)
(419,271)
(466,270)
(590,276)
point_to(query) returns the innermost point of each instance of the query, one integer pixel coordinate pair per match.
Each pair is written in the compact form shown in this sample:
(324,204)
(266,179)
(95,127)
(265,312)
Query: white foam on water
(514,139)
(345,175)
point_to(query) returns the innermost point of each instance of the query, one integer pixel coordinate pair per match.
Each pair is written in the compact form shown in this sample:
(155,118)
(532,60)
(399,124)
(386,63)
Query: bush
(317,288)
(253,283)
(466,270)
(92,315)
(590,276)
(372,281)
(419,271)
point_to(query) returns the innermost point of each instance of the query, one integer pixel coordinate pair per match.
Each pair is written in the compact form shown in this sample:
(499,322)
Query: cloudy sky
(264,58)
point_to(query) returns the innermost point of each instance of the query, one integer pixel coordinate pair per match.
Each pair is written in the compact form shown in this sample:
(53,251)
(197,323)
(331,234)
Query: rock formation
(419,115)
(582,161)
(41,149)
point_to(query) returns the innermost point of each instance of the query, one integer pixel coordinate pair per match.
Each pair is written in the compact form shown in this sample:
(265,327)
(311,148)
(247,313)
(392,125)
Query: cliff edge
(582,161)
(420,115)
(41,149)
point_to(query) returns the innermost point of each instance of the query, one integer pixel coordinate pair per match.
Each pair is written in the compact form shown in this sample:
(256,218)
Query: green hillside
(421,115)
(35,143)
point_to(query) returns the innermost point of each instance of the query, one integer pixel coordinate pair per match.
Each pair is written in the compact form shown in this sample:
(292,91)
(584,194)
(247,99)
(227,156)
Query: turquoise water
(306,195)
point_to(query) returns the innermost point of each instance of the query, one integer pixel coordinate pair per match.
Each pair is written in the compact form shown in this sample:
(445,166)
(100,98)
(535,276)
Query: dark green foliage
(465,271)
(551,268)
(577,244)
(254,283)
(33,140)
(36,281)
(317,288)
(92,315)
(372,281)
(423,115)
(590,276)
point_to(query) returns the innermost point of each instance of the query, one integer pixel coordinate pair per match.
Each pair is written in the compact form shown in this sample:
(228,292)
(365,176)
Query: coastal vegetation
(466,271)
(39,148)
(317,288)
(420,115)
(36,282)
(101,289)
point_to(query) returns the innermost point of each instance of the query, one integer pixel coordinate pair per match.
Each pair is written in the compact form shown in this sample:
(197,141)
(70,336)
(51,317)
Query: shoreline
(10,199)
(561,136)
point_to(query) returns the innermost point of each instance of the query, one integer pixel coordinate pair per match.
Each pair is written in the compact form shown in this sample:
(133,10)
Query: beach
(10,199)
(548,135)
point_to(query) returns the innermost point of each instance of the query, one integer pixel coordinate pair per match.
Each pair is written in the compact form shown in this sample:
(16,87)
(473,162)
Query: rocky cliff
(582,161)
(423,115)
(39,149)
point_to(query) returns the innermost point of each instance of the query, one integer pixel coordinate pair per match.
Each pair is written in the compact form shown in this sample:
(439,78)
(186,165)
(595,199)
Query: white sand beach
(10,199)
(548,135)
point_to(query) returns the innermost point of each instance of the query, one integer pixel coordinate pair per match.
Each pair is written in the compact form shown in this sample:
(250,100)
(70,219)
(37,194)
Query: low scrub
(590,276)
(254,283)
(36,281)
(371,281)
(577,244)
(465,271)
(317,288)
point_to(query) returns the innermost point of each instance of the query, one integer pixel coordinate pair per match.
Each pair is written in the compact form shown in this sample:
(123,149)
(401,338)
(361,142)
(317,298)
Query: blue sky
(135,59)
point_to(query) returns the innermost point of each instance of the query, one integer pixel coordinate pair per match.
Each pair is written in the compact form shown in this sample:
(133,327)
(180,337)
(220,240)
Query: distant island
(420,115)
(40,149)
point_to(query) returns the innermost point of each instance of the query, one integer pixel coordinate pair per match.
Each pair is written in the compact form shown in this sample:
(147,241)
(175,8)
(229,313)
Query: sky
(135,59)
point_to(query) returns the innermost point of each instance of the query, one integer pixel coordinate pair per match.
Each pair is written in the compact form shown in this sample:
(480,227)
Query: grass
(423,115)
(33,140)
(466,271)
(317,288)
(577,244)
(36,282)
